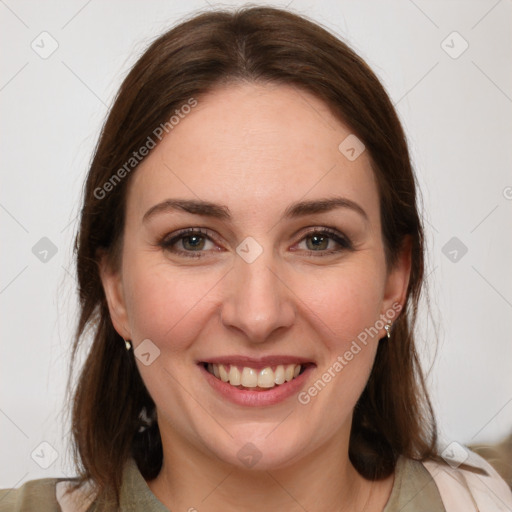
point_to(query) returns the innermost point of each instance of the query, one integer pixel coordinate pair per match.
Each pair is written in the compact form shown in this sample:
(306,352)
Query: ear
(397,280)
(114,293)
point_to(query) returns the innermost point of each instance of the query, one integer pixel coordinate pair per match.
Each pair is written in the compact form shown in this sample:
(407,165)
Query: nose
(258,302)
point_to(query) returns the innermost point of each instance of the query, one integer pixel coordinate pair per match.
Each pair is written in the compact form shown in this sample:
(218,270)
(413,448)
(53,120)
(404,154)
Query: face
(263,287)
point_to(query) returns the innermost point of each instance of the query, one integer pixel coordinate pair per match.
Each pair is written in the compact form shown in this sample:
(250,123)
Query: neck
(324,480)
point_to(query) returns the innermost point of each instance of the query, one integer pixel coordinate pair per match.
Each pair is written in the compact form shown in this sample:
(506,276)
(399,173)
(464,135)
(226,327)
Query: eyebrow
(221,212)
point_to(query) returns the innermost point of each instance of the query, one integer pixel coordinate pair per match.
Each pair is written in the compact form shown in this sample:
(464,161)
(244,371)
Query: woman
(250,260)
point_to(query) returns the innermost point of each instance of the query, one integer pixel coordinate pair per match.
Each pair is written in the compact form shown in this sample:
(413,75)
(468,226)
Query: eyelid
(185,231)
(169,240)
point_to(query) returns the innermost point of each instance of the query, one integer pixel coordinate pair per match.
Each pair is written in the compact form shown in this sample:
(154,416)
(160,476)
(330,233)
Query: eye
(191,240)
(318,240)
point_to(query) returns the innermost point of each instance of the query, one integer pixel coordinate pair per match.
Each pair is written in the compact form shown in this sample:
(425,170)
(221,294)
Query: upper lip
(257,363)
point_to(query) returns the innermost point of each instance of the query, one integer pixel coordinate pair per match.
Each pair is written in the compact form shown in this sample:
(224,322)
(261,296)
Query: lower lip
(247,398)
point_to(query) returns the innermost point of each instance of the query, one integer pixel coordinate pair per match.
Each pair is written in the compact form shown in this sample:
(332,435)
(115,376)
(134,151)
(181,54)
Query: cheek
(346,300)
(348,303)
(166,305)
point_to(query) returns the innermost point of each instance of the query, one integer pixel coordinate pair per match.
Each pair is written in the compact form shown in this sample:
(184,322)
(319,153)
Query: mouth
(256,377)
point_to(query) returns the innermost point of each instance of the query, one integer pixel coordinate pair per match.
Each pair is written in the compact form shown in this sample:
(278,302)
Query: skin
(256,149)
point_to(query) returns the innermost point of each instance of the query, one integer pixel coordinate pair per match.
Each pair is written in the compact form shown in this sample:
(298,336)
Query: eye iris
(195,245)
(317,238)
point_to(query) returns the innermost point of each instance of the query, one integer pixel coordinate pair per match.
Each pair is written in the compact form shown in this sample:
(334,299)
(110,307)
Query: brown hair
(258,44)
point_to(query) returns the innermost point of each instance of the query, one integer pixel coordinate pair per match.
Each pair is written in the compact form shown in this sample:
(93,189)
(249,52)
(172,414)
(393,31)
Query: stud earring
(146,421)
(388,328)
(127,344)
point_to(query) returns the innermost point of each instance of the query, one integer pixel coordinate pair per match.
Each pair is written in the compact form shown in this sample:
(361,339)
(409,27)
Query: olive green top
(414,490)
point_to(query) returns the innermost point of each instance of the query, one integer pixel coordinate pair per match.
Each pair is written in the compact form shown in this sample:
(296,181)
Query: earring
(146,421)
(127,344)
(388,328)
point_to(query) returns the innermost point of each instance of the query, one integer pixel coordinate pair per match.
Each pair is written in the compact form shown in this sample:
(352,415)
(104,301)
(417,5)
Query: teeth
(223,374)
(235,377)
(288,372)
(251,378)
(266,378)
(279,375)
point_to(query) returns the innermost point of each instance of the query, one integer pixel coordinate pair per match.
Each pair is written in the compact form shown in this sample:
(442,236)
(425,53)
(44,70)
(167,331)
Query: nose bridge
(256,302)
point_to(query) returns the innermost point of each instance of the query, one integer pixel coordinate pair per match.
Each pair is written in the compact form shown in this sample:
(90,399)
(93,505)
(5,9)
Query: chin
(265,450)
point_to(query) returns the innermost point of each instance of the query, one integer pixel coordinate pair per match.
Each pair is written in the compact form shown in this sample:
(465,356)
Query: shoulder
(46,495)
(414,489)
(464,479)
(461,480)
(32,495)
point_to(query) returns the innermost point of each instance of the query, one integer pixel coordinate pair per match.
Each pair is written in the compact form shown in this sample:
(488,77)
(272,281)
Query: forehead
(251,145)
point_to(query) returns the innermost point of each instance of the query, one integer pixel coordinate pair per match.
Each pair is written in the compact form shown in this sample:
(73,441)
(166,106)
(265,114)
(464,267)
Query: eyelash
(167,243)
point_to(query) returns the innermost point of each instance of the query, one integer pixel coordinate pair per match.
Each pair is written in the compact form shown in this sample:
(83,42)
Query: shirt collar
(135,492)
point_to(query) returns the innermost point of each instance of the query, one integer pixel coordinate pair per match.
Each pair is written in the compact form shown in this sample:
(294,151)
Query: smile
(246,377)
(256,382)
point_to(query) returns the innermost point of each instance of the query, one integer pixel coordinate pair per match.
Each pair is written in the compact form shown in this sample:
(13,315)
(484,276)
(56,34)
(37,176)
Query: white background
(457,115)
